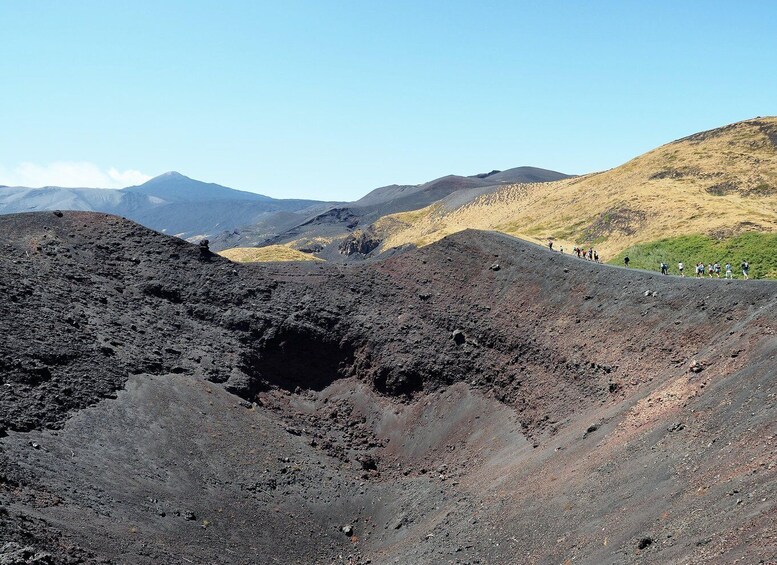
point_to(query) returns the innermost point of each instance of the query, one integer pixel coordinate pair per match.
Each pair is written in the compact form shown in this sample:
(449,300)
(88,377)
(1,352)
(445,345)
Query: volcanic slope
(477,400)
(720,183)
(342,232)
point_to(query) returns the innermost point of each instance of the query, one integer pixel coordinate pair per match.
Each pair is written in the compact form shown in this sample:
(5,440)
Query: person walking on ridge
(745,269)
(626,260)
(681,267)
(729,274)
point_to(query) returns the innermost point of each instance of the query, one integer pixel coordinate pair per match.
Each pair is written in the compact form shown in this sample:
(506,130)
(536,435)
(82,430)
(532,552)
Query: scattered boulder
(495,267)
(696,366)
(205,251)
(239,384)
(368,463)
(645,542)
(14,554)
(347,530)
(458,337)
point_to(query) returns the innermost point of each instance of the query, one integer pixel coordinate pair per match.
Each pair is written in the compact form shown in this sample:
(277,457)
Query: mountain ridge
(171,203)
(331,233)
(721,182)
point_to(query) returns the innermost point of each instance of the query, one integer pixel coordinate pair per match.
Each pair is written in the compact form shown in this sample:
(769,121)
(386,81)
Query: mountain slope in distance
(338,233)
(720,183)
(171,203)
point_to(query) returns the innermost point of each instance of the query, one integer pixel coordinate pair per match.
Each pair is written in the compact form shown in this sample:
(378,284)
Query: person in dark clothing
(626,260)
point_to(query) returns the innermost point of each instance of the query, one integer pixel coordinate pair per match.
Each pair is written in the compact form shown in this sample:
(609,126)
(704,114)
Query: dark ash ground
(158,405)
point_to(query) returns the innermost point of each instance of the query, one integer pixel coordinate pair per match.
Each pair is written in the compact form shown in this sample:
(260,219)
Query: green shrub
(759,249)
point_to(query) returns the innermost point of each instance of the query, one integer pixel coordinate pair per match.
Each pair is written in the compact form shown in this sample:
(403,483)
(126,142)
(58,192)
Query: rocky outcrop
(361,243)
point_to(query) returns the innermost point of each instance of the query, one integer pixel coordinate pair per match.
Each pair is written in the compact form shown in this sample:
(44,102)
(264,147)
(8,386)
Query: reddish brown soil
(163,406)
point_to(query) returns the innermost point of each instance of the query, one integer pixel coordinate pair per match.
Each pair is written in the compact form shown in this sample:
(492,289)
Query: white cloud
(75,174)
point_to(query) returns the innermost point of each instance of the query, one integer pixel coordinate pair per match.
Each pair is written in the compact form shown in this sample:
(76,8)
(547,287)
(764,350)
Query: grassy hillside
(759,249)
(266,254)
(720,183)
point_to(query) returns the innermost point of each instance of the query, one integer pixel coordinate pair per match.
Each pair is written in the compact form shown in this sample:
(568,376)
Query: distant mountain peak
(168,176)
(172,186)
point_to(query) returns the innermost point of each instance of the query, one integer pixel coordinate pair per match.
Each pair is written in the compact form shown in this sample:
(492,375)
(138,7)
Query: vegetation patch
(762,189)
(266,254)
(615,220)
(722,188)
(757,248)
(769,129)
(680,173)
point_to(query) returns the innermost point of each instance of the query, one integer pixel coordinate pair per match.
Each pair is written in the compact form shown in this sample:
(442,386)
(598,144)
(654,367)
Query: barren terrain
(478,400)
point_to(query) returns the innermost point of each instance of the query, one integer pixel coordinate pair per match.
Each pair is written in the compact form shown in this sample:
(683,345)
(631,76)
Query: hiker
(716,267)
(561,249)
(681,267)
(591,254)
(709,270)
(729,274)
(664,268)
(745,269)
(699,270)
(550,245)
(596,256)
(626,260)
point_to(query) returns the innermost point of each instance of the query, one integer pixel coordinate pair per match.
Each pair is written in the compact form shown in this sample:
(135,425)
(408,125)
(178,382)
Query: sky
(329,100)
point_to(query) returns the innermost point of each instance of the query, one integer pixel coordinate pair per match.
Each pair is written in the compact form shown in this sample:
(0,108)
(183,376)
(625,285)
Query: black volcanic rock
(275,403)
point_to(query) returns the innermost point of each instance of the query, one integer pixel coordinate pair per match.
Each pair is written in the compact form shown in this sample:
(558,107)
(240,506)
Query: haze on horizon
(328,100)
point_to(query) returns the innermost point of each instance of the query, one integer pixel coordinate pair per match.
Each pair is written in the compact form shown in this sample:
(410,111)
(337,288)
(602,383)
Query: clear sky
(328,100)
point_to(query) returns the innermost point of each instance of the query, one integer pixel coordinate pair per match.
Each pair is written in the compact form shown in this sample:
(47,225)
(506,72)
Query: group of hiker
(711,269)
(590,254)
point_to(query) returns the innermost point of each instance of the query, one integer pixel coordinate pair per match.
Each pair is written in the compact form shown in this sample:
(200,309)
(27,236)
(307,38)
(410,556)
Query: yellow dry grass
(719,182)
(266,254)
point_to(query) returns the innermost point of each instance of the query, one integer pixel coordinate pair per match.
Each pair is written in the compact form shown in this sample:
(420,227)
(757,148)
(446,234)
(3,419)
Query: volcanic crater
(478,400)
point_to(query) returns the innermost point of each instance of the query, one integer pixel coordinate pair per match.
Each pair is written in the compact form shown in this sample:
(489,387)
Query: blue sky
(328,100)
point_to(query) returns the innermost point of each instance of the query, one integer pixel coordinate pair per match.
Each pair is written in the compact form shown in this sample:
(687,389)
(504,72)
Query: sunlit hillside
(719,183)
(266,254)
